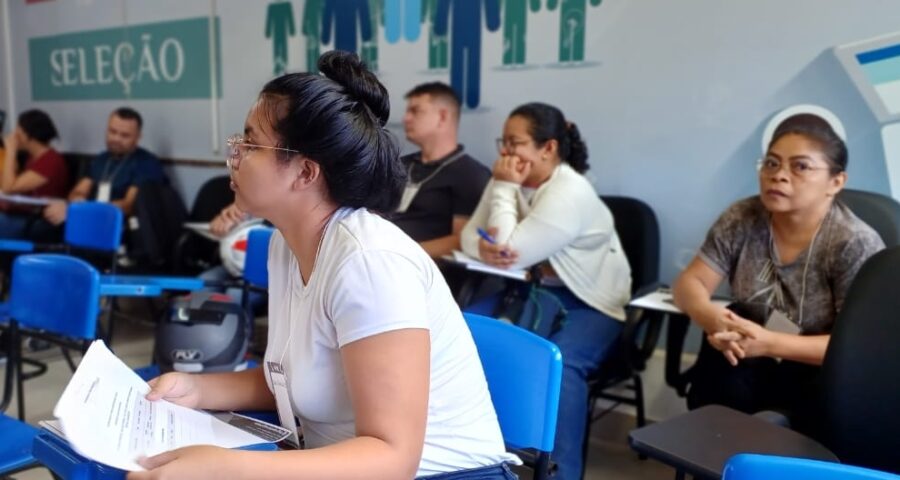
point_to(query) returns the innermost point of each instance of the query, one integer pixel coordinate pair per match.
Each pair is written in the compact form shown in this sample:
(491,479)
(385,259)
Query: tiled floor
(609,457)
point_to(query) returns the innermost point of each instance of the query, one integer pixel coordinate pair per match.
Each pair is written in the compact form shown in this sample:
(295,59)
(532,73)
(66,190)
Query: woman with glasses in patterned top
(789,255)
(366,345)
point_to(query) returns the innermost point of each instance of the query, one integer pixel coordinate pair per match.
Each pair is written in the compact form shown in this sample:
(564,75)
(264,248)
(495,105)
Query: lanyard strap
(443,164)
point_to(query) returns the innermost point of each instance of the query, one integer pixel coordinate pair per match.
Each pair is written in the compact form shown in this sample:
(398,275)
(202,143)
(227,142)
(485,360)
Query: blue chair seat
(16,246)
(144,285)
(15,444)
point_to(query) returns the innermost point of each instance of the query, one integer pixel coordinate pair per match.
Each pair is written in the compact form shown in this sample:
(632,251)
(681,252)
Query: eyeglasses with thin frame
(798,167)
(238,148)
(509,144)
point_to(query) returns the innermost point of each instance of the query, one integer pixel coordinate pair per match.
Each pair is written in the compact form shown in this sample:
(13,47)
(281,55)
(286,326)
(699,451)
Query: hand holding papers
(105,417)
(474,264)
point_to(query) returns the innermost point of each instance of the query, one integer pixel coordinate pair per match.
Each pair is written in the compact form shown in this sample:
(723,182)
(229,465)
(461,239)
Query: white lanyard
(276,370)
(412,188)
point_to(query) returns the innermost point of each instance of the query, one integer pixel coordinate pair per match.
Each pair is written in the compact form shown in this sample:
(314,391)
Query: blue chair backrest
(523,373)
(768,467)
(56,293)
(256,269)
(93,225)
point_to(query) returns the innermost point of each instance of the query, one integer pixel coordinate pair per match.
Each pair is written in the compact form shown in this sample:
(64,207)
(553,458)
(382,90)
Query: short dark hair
(545,123)
(819,131)
(337,120)
(436,90)
(38,125)
(128,113)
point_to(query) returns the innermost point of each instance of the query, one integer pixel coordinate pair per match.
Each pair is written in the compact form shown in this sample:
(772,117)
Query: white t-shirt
(565,222)
(371,278)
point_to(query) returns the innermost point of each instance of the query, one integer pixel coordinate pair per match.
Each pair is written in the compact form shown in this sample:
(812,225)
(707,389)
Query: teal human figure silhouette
(437,44)
(515,22)
(402,18)
(369,50)
(280,26)
(572,23)
(311,30)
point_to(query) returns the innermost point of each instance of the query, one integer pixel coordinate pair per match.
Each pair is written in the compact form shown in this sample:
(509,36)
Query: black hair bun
(346,69)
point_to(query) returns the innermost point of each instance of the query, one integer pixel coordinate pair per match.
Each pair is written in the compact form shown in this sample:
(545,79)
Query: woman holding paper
(366,344)
(45,173)
(789,255)
(538,209)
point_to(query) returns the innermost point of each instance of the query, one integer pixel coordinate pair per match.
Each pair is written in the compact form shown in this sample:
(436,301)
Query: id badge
(779,322)
(283,401)
(104,192)
(409,193)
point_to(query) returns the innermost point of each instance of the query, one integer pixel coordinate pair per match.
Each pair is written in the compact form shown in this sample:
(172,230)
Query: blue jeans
(13,226)
(586,338)
(494,472)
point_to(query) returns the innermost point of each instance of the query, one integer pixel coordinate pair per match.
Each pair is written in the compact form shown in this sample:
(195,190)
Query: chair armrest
(675,335)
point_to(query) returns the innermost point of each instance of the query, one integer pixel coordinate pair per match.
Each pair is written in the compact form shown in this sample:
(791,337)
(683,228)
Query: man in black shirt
(444,184)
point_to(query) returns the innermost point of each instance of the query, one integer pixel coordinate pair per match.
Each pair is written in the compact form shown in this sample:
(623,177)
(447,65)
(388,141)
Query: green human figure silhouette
(369,50)
(279,26)
(572,23)
(515,21)
(312,31)
(437,44)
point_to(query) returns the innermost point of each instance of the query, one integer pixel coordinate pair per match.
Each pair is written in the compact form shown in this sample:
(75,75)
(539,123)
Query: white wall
(671,100)
(4,71)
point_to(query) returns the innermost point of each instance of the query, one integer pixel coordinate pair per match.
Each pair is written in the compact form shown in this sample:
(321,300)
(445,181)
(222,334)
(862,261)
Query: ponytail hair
(337,120)
(545,123)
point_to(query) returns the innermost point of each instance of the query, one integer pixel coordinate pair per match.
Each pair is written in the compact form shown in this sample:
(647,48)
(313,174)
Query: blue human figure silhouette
(465,42)
(402,16)
(350,19)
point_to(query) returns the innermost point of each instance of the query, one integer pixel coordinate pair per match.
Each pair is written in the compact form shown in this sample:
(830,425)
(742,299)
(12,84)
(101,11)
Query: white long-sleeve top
(565,222)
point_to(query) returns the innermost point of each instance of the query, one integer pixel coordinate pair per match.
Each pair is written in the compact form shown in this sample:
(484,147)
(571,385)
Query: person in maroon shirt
(44,174)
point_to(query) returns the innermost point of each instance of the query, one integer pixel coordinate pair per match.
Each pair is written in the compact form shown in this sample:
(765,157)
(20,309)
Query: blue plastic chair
(93,225)
(523,372)
(53,297)
(256,268)
(16,439)
(748,466)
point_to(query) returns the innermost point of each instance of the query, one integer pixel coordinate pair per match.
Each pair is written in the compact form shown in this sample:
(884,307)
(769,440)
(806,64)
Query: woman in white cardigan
(539,210)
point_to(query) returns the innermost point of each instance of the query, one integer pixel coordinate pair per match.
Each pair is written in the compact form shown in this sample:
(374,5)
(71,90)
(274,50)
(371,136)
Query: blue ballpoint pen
(488,238)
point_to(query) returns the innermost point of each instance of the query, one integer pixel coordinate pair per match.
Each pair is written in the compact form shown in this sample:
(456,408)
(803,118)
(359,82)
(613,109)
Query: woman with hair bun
(366,345)
(539,210)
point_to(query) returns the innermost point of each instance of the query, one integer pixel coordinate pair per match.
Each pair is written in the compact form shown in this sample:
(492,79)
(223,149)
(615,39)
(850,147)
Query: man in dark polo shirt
(115,174)
(444,184)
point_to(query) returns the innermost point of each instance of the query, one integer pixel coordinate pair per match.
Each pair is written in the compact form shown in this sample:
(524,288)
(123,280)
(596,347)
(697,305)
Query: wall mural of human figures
(515,23)
(438,58)
(465,42)
(572,23)
(280,26)
(351,22)
(311,28)
(369,50)
(402,18)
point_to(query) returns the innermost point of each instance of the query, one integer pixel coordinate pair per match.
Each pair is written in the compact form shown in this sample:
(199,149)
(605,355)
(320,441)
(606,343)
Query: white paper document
(202,229)
(661,300)
(26,200)
(105,417)
(474,264)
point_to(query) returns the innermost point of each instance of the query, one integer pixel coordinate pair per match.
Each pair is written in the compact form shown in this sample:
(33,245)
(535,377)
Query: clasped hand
(739,338)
